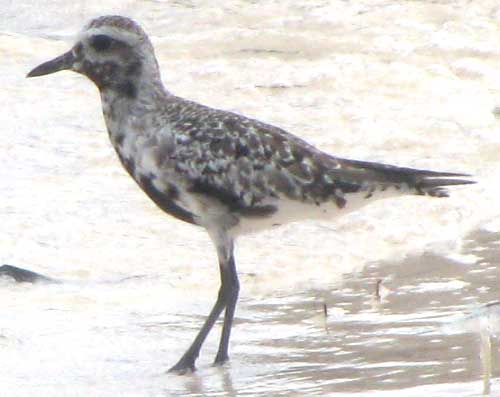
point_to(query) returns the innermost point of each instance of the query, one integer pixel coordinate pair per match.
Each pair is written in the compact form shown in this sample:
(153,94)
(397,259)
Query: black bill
(62,62)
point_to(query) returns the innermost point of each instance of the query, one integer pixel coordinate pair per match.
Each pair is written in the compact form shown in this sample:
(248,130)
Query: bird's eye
(101,42)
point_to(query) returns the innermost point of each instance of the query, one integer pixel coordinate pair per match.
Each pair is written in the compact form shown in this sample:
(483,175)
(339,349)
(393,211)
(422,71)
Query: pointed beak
(62,62)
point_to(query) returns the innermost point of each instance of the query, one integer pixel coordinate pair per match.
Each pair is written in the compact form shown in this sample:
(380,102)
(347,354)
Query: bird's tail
(433,183)
(417,181)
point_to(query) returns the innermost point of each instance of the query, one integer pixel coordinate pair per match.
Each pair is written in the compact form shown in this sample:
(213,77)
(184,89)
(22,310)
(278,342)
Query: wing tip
(436,186)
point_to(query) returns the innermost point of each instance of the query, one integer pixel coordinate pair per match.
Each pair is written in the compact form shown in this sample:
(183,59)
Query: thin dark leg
(233,287)
(228,294)
(186,363)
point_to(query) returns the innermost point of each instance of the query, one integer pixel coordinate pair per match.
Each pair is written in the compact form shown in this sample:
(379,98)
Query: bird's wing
(245,164)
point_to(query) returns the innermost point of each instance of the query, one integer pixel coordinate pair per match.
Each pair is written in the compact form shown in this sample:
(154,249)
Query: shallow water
(419,91)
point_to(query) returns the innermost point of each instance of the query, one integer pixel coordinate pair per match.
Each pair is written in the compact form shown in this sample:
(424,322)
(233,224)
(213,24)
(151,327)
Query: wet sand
(283,345)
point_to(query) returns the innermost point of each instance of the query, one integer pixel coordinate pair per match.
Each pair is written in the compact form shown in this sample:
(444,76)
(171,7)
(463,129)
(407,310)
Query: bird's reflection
(214,381)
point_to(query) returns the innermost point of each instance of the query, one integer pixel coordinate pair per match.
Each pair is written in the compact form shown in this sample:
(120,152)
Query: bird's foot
(184,366)
(220,359)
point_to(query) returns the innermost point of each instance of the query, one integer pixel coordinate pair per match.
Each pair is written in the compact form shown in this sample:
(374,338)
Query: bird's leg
(186,363)
(228,293)
(232,286)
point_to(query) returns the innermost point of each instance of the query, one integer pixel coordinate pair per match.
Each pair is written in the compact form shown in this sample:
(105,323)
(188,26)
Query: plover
(227,173)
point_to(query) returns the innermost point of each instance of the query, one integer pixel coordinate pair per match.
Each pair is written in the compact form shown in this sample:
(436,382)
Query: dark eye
(101,42)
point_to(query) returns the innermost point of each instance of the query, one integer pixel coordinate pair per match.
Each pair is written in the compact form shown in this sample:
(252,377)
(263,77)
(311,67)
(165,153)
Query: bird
(227,173)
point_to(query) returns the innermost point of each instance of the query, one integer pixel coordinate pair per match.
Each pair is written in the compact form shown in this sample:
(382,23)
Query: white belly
(293,211)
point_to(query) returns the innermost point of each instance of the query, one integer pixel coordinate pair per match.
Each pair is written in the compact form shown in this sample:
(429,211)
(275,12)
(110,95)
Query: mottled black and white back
(225,172)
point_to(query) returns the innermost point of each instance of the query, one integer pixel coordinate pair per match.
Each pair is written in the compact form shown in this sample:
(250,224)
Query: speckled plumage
(225,172)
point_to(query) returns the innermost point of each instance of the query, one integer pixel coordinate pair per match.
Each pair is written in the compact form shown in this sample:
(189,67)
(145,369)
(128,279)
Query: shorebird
(230,174)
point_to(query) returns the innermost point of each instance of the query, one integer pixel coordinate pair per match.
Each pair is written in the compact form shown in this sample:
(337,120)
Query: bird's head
(112,51)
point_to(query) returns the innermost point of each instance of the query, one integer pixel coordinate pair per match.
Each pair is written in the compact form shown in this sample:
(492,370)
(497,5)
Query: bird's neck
(132,92)
(130,98)
(129,108)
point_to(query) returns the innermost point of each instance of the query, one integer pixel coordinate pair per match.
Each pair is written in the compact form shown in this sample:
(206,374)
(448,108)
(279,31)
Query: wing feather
(246,164)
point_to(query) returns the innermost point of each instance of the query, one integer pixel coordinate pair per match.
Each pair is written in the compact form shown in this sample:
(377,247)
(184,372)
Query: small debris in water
(379,295)
(325,317)
(377,289)
(485,321)
(496,112)
(483,318)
